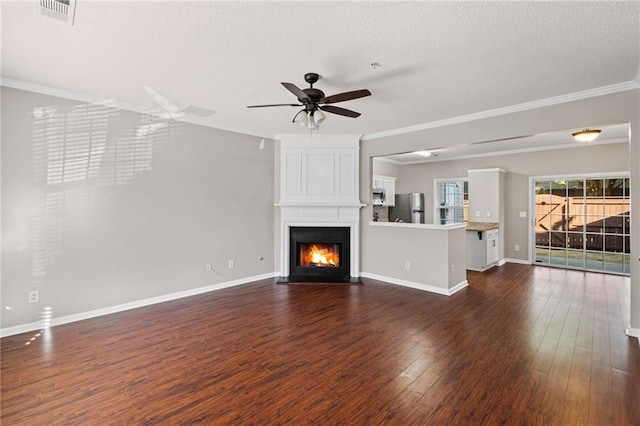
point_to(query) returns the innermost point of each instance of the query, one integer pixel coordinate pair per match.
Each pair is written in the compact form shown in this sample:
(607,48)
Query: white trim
(604,175)
(436,192)
(597,142)
(297,138)
(495,169)
(531,227)
(633,332)
(419,225)
(519,261)
(24,328)
(419,286)
(319,204)
(81,97)
(501,262)
(531,241)
(486,268)
(556,100)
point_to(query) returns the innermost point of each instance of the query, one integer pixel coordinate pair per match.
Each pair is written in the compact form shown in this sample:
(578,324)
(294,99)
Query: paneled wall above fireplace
(319,170)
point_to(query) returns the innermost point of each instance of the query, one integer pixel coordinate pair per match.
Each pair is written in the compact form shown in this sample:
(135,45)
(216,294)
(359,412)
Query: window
(451,201)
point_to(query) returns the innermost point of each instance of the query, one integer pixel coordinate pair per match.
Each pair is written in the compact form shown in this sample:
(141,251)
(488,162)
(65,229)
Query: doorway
(582,223)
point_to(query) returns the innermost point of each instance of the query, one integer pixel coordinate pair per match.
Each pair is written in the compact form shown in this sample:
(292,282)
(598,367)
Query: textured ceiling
(436,59)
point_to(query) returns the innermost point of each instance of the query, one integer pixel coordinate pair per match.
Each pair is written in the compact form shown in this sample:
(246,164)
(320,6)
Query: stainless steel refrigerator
(409,208)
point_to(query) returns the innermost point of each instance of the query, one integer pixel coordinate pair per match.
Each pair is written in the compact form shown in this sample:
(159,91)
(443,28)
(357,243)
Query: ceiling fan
(314,101)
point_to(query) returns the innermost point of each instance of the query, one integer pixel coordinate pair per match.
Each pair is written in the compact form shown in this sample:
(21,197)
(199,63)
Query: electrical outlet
(489,214)
(407,264)
(517,248)
(478,213)
(231,264)
(523,214)
(34,296)
(207,267)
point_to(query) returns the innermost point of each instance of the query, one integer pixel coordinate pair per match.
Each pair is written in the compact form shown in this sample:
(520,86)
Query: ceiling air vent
(63,10)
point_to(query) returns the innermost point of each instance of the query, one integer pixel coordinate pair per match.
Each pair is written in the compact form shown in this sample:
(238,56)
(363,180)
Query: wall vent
(63,10)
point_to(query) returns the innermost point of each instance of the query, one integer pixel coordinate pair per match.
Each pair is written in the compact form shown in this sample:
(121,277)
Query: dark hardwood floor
(521,345)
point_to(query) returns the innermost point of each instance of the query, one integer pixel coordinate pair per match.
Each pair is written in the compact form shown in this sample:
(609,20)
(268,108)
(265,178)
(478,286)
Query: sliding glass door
(583,223)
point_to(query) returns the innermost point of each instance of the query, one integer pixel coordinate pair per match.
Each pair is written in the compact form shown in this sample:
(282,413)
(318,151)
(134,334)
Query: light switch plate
(523,214)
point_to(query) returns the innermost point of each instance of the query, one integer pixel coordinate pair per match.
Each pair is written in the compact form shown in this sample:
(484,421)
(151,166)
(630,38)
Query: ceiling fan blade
(346,96)
(296,91)
(340,111)
(272,105)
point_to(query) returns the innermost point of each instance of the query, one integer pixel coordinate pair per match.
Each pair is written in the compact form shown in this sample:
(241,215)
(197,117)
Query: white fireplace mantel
(319,186)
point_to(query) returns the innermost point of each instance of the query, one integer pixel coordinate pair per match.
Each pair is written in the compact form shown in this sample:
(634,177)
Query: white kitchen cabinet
(493,252)
(388,183)
(483,249)
(377,182)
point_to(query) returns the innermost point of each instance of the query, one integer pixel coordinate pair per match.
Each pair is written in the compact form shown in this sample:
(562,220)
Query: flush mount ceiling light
(586,135)
(424,153)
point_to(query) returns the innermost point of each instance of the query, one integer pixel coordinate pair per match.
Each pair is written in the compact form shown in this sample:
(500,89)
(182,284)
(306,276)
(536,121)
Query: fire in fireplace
(319,254)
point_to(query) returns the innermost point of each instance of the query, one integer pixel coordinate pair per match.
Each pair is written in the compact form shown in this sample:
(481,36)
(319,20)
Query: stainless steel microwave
(378,197)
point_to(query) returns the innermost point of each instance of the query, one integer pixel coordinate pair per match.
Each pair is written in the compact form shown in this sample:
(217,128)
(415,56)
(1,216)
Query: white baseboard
(25,328)
(418,286)
(633,332)
(486,268)
(520,261)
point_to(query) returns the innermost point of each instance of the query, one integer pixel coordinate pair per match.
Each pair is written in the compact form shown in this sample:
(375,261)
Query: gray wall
(385,168)
(587,159)
(621,107)
(136,210)
(426,250)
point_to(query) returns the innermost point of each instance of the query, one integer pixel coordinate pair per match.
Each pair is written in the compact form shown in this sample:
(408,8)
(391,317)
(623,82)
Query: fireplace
(319,209)
(319,253)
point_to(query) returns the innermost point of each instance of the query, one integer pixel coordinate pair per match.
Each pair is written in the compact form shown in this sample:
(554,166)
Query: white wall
(138,213)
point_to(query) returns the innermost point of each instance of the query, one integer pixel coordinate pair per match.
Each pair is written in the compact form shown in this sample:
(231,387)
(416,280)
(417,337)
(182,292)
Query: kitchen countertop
(482,226)
(418,225)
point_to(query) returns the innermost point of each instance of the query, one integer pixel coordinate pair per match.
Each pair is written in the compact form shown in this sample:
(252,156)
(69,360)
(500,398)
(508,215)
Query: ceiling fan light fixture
(586,135)
(319,117)
(301,118)
(312,125)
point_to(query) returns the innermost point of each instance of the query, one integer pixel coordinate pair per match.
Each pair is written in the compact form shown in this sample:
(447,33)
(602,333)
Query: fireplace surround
(319,189)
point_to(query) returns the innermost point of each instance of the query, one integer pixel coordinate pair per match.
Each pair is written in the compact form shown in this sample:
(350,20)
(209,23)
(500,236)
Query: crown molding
(585,94)
(95,100)
(556,100)
(522,150)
